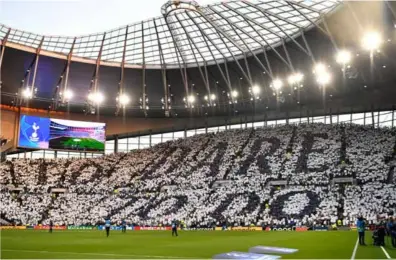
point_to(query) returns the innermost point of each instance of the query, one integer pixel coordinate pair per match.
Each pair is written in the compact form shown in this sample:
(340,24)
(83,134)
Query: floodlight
(371,41)
(295,78)
(319,68)
(68,94)
(96,97)
(323,78)
(255,90)
(343,57)
(277,84)
(123,99)
(212,97)
(206,97)
(234,93)
(27,93)
(191,99)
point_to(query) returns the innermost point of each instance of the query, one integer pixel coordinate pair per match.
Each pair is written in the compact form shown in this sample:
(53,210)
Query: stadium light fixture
(68,94)
(255,90)
(96,97)
(191,99)
(295,78)
(277,84)
(323,78)
(234,94)
(27,93)
(206,97)
(319,68)
(343,57)
(123,99)
(371,41)
(212,97)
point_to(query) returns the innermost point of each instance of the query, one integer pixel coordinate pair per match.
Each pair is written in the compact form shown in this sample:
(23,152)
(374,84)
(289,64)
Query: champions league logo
(34,136)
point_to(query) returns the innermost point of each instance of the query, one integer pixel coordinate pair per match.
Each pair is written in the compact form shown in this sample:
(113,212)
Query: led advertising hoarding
(49,133)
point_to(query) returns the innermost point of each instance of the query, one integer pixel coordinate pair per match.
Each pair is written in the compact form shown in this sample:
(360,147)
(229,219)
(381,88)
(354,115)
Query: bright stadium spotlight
(27,93)
(212,97)
(96,97)
(206,97)
(277,84)
(234,94)
(295,78)
(343,57)
(371,41)
(255,90)
(123,99)
(191,99)
(68,94)
(323,78)
(319,68)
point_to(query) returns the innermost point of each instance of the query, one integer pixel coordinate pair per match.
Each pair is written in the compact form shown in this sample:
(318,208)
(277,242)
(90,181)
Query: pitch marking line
(386,253)
(93,254)
(355,249)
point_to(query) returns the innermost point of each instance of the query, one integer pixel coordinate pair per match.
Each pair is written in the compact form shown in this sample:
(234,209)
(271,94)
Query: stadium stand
(212,179)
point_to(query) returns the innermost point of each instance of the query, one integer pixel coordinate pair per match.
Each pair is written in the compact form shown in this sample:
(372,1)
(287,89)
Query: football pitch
(83,244)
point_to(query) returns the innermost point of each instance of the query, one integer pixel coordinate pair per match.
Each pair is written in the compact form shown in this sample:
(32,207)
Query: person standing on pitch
(174,228)
(123,223)
(51,224)
(361,228)
(107,226)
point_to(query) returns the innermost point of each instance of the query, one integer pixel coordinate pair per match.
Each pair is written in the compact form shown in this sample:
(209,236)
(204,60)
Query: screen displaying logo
(34,132)
(49,133)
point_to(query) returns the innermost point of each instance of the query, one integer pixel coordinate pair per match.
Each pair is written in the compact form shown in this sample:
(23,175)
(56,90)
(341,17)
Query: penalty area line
(355,249)
(93,254)
(386,253)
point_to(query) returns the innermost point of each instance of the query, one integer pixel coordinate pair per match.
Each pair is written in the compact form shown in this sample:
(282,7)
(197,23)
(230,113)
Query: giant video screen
(60,134)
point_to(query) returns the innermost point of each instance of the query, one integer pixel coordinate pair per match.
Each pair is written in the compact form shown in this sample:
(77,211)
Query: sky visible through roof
(77,17)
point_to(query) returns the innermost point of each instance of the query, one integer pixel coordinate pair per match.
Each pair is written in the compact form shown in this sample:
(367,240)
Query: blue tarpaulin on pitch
(244,255)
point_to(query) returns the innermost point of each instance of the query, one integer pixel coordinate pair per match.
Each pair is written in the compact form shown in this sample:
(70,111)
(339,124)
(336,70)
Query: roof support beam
(36,63)
(92,106)
(3,50)
(271,20)
(306,17)
(206,38)
(178,50)
(220,31)
(246,33)
(163,72)
(191,42)
(144,95)
(266,42)
(122,75)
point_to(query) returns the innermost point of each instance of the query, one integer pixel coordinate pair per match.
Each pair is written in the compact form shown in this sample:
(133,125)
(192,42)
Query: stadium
(219,130)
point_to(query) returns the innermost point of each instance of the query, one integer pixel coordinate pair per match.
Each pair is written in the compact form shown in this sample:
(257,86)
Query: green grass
(189,244)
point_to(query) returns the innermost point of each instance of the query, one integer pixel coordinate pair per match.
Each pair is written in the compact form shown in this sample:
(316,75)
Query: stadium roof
(188,34)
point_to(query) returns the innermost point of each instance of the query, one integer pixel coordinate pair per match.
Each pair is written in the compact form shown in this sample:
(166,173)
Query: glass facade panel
(201,131)
(281,122)
(258,124)
(156,139)
(144,142)
(62,154)
(179,134)
(271,123)
(235,126)
(191,132)
(358,118)
(49,154)
(345,118)
(213,129)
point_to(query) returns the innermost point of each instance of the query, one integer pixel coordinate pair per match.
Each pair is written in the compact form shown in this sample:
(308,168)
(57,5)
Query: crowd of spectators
(214,179)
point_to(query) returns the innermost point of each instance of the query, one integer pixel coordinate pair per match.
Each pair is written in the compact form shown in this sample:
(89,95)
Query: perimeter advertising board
(50,133)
